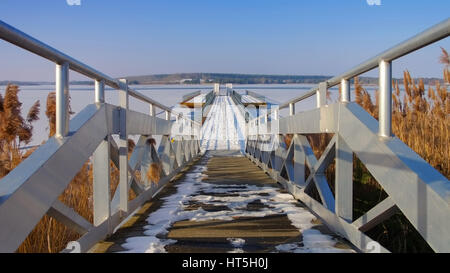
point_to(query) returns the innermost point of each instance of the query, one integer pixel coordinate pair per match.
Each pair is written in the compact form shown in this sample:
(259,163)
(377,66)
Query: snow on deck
(193,188)
(224,127)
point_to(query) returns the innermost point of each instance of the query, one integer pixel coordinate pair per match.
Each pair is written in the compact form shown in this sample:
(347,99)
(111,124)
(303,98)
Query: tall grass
(420,116)
(15,129)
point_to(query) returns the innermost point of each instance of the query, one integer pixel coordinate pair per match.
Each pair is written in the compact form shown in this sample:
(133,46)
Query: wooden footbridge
(235,174)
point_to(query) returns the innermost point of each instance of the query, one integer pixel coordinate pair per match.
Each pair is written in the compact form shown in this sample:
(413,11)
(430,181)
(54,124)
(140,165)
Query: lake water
(169,95)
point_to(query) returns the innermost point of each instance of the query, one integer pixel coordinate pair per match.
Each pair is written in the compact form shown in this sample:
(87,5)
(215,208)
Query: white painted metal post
(167,115)
(101,190)
(62,100)
(274,125)
(385,108)
(266,121)
(99,91)
(152,110)
(123,146)
(263,119)
(344,180)
(345,90)
(291,109)
(216,89)
(192,130)
(299,161)
(321,94)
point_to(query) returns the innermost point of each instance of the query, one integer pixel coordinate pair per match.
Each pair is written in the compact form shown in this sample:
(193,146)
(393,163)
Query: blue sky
(136,37)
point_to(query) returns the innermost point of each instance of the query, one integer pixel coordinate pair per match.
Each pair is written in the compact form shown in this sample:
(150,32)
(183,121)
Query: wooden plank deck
(261,234)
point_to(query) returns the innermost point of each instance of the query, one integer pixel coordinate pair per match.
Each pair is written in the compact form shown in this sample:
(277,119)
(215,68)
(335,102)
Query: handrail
(191,95)
(411,184)
(255,95)
(25,41)
(237,98)
(429,36)
(209,98)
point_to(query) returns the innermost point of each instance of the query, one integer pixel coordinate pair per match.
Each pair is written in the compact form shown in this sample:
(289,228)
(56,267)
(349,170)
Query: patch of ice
(313,242)
(146,244)
(236,242)
(287,248)
(236,250)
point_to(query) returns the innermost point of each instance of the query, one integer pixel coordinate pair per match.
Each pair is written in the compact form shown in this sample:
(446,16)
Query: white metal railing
(414,187)
(32,189)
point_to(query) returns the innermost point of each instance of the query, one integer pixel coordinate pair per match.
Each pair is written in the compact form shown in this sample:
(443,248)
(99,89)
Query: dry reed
(155,169)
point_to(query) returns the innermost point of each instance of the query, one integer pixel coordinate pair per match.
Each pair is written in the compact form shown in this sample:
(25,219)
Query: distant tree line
(222,78)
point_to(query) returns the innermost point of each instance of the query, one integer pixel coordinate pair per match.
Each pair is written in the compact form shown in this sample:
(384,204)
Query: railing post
(216,89)
(101,190)
(62,100)
(123,146)
(192,129)
(99,91)
(321,94)
(345,90)
(152,110)
(266,121)
(167,115)
(274,124)
(385,108)
(152,113)
(291,109)
(344,180)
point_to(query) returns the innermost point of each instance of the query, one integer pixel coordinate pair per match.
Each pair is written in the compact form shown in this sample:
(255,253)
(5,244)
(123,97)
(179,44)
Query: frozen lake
(169,95)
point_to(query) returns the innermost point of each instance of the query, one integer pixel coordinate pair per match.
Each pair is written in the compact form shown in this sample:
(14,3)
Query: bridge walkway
(223,203)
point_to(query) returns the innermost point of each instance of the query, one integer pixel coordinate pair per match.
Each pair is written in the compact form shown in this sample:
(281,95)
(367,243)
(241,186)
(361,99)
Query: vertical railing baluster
(299,161)
(152,110)
(321,94)
(345,90)
(62,100)
(123,146)
(99,91)
(385,106)
(291,109)
(101,175)
(344,180)
(167,115)
(152,113)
